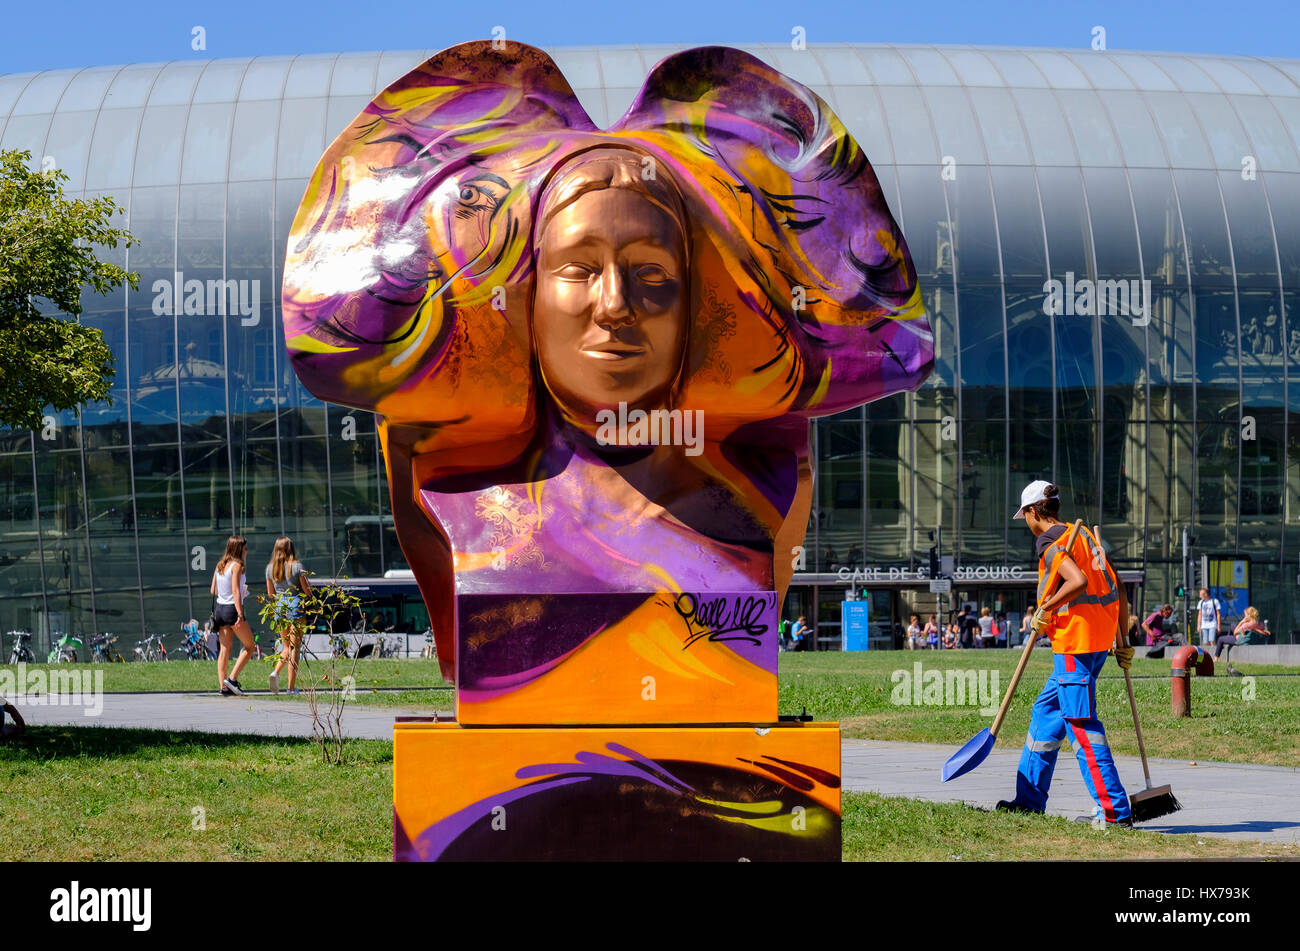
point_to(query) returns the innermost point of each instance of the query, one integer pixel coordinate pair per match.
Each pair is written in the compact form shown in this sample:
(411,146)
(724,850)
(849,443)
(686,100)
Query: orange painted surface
(442,768)
(605,681)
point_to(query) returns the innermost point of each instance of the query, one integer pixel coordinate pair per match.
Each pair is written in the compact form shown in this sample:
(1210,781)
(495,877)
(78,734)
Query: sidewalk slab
(212,713)
(1228,800)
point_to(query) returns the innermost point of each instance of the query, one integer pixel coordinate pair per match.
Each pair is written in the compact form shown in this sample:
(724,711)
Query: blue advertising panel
(854,628)
(1229,581)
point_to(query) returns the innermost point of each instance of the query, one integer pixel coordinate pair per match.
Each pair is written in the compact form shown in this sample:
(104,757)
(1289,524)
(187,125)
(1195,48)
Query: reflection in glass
(262,456)
(976,245)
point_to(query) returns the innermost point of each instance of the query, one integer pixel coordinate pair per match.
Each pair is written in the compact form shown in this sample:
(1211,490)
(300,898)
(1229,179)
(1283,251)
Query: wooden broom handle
(1121,640)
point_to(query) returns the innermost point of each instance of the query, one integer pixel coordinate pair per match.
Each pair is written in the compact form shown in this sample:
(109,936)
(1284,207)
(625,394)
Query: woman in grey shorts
(286,584)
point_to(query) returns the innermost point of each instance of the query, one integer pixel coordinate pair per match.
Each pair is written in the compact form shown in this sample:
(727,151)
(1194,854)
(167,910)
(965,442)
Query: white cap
(1033,493)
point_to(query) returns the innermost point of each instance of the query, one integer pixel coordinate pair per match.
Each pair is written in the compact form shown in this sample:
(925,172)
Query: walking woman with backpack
(286,584)
(230,588)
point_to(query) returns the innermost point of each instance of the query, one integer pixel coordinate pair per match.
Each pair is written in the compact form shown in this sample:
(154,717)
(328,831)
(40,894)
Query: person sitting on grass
(1154,626)
(15,729)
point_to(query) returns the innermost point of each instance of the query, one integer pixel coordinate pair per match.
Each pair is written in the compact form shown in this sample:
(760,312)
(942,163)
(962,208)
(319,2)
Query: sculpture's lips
(613,351)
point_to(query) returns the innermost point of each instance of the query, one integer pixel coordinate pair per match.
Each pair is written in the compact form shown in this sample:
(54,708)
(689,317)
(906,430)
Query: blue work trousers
(1067,710)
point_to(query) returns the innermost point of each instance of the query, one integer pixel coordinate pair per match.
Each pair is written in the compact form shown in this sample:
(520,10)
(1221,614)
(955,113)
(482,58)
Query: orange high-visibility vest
(1087,624)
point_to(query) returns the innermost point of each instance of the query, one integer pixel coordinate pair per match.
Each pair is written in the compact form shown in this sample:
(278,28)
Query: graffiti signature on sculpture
(725,618)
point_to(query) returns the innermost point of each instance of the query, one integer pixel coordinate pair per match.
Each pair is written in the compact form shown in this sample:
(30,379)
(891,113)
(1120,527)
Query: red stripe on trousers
(1082,736)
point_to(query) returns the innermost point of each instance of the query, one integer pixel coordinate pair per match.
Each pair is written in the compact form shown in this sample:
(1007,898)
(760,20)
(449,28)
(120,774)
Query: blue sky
(53,34)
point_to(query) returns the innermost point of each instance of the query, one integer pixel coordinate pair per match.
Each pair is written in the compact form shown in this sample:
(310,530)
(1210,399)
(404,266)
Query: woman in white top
(286,585)
(230,588)
(913,640)
(987,637)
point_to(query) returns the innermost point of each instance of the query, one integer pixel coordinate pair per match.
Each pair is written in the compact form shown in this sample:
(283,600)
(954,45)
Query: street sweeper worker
(1081,616)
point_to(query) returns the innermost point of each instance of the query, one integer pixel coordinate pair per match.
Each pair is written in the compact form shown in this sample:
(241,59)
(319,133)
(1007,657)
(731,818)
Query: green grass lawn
(885,829)
(858,691)
(90,793)
(78,793)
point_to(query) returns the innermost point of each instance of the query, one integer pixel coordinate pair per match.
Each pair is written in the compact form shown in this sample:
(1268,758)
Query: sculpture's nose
(613,309)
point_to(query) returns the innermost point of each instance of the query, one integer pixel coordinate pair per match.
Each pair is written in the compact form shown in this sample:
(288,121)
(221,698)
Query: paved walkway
(1229,800)
(210,713)
(1232,800)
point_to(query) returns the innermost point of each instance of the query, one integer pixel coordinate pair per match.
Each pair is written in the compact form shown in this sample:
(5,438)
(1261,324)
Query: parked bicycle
(104,649)
(64,650)
(389,645)
(195,647)
(21,653)
(340,646)
(150,649)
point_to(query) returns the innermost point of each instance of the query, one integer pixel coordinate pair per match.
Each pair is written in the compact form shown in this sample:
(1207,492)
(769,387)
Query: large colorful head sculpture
(595,354)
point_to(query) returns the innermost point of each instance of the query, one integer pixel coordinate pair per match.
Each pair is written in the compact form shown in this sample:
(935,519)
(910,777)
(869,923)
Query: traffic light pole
(1187,582)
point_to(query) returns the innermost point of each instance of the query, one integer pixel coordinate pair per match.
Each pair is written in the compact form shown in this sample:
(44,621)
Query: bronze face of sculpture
(610,306)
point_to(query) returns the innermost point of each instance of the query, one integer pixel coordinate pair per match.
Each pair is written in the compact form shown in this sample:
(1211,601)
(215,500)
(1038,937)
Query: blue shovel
(979,746)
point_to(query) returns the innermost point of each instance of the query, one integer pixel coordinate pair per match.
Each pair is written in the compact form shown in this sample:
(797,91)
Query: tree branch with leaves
(49,246)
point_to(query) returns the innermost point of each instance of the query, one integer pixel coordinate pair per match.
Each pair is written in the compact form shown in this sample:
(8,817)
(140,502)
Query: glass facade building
(1153,383)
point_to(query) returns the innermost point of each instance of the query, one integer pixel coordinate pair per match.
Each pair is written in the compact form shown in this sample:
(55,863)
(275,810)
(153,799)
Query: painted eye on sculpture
(477,197)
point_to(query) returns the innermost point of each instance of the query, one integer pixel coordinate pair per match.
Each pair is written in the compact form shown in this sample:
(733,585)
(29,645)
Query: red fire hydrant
(1180,677)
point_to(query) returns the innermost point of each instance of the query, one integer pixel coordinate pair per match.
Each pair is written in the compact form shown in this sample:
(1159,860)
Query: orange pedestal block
(713,793)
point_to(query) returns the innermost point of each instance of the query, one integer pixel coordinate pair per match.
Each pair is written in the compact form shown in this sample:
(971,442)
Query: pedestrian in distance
(1210,613)
(1082,615)
(286,586)
(913,640)
(799,634)
(970,628)
(1026,623)
(230,588)
(932,633)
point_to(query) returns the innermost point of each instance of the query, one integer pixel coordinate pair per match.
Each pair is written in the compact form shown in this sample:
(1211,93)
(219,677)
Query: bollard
(1180,677)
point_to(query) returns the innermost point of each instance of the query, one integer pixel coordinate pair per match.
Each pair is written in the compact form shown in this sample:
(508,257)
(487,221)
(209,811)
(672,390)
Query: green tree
(48,253)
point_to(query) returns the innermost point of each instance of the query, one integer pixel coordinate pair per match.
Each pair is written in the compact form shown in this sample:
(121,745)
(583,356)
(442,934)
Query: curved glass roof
(109,127)
(1176,178)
